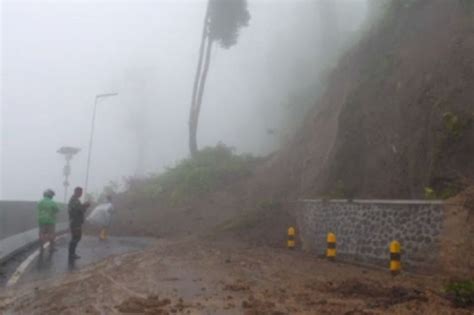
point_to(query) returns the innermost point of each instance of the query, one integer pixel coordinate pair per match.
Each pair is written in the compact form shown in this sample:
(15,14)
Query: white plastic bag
(101,215)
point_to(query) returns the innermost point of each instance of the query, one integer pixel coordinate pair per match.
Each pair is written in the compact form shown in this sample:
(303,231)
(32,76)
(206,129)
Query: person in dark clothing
(77,211)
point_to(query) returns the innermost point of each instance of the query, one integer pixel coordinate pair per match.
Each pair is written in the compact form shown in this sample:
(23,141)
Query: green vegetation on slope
(208,170)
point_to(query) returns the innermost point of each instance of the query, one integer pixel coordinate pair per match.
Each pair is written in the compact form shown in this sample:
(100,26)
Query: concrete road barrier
(14,244)
(21,216)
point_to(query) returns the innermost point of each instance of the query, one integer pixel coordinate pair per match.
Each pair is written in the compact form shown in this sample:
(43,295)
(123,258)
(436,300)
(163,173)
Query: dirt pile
(397,115)
(234,211)
(457,239)
(197,216)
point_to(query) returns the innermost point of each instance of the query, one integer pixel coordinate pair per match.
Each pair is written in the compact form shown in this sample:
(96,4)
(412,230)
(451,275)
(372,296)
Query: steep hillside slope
(397,116)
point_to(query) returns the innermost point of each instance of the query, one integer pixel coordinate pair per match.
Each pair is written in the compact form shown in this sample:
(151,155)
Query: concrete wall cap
(378,201)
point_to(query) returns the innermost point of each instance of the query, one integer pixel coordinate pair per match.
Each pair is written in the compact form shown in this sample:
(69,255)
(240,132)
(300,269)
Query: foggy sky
(57,55)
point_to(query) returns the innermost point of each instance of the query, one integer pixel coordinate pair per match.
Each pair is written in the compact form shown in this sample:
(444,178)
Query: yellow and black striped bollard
(331,250)
(395,264)
(291,237)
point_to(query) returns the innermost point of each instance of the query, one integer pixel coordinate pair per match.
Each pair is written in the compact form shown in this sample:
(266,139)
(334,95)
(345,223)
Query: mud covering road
(199,277)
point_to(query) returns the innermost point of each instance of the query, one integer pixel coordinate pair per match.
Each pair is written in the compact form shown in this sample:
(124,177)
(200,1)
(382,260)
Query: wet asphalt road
(91,250)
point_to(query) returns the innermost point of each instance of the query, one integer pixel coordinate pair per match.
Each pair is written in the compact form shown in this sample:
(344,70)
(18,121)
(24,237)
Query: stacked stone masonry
(365,228)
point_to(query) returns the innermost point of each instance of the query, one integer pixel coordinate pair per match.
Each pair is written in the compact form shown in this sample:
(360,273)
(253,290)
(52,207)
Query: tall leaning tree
(222,21)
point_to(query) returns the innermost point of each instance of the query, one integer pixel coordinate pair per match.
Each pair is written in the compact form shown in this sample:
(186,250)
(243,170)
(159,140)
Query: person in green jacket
(47,210)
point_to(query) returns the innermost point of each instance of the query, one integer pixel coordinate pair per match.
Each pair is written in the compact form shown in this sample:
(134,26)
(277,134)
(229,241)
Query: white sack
(101,215)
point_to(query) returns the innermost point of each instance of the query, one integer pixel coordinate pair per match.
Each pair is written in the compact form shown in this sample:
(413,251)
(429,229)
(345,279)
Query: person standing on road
(76,210)
(107,219)
(101,216)
(47,210)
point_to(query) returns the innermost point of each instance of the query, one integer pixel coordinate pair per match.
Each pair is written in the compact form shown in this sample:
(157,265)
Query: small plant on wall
(461,293)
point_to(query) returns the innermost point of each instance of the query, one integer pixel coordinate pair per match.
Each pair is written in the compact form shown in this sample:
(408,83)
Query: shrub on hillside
(208,170)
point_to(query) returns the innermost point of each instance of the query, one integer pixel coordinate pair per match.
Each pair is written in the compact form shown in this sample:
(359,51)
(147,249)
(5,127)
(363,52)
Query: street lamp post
(68,153)
(97,98)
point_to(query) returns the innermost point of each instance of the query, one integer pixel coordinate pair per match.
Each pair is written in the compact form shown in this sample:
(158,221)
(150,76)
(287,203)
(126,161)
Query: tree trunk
(203,80)
(193,109)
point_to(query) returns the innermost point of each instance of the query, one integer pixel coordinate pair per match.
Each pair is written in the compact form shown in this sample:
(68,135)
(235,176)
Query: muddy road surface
(201,277)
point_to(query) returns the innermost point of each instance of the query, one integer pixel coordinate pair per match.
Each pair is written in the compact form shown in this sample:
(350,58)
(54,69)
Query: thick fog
(57,55)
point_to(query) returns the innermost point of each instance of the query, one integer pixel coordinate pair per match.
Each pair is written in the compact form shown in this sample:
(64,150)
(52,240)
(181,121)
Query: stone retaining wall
(365,228)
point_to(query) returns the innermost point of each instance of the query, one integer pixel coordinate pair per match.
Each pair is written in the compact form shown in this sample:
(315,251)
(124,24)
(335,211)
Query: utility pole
(68,153)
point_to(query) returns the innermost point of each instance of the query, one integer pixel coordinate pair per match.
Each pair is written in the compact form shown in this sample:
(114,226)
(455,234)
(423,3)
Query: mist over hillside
(57,56)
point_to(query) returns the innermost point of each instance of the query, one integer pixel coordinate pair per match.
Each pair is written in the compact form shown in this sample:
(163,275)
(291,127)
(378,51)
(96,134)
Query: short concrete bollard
(395,264)
(331,250)
(291,237)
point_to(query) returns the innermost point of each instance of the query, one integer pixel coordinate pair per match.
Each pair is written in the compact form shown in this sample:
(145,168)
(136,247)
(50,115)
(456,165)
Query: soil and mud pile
(397,115)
